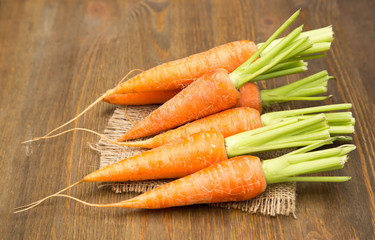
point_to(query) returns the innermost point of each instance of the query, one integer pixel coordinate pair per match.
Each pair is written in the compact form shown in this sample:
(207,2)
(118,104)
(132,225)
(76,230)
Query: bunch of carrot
(210,156)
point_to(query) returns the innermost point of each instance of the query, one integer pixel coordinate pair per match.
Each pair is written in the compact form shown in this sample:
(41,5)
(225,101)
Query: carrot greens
(275,54)
(287,167)
(339,122)
(302,89)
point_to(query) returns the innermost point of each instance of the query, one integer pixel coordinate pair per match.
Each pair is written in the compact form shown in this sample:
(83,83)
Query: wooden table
(56,57)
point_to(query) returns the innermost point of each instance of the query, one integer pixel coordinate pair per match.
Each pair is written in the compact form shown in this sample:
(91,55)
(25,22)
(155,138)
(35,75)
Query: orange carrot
(180,73)
(249,97)
(179,109)
(168,161)
(236,179)
(228,123)
(143,98)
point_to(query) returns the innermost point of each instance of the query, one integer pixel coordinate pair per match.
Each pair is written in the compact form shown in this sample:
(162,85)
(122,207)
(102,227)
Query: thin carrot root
(128,117)
(36,203)
(70,197)
(80,129)
(109,92)
(84,202)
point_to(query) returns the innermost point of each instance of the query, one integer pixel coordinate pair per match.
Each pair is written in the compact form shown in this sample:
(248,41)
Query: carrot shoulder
(219,94)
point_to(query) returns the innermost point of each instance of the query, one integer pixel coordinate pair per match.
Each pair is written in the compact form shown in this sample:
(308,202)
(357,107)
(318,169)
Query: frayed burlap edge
(278,199)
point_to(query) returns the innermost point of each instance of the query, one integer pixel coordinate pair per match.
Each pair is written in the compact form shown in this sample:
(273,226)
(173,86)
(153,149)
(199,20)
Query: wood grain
(58,56)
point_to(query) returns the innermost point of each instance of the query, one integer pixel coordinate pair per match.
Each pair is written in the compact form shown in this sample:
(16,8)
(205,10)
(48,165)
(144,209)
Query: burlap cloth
(278,199)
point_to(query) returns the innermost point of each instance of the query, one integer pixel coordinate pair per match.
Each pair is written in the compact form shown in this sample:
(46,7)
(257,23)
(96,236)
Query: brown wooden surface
(58,56)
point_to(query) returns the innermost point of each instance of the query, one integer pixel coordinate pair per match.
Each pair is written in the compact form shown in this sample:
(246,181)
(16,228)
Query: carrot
(228,123)
(180,73)
(201,99)
(142,98)
(237,179)
(172,160)
(168,115)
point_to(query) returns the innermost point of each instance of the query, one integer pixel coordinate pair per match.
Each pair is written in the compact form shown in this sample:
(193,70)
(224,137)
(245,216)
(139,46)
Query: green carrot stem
(344,138)
(268,42)
(307,57)
(267,148)
(280,73)
(317,48)
(312,146)
(315,179)
(322,134)
(339,122)
(244,135)
(333,119)
(302,89)
(324,34)
(326,153)
(248,142)
(320,77)
(326,164)
(280,99)
(240,81)
(274,54)
(287,167)
(254,66)
(336,130)
(288,65)
(272,117)
(316,36)
(271,54)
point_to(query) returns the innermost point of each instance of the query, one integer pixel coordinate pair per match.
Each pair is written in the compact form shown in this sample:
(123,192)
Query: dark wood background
(58,56)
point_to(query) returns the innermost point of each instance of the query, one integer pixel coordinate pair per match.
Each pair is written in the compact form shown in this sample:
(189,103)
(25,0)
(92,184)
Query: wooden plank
(58,56)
